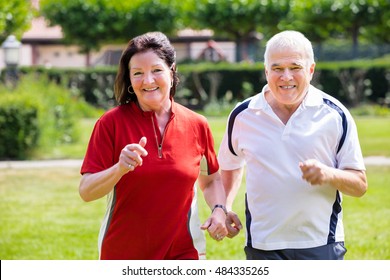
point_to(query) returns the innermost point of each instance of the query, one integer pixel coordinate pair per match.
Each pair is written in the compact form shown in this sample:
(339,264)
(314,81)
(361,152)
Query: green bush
(19,129)
(41,112)
(94,85)
(371,110)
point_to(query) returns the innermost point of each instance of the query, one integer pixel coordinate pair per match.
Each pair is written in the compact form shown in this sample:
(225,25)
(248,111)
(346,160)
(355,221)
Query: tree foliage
(155,15)
(87,23)
(239,20)
(314,18)
(15,18)
(379,30)
(353,16)
(348,19)
(90,23)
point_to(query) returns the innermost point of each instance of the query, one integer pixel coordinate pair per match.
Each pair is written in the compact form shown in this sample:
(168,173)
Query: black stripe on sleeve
(232,118)
(343,118)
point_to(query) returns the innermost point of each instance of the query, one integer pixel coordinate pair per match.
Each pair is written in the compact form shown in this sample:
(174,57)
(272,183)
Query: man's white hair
(289,39)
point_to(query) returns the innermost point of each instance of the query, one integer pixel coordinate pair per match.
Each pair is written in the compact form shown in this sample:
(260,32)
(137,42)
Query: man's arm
(231,180)
(348,181)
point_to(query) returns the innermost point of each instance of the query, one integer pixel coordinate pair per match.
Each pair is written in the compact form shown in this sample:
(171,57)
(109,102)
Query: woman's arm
(96,185)
(214,194)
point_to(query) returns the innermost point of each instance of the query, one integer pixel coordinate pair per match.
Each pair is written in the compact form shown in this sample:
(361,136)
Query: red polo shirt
(147,211)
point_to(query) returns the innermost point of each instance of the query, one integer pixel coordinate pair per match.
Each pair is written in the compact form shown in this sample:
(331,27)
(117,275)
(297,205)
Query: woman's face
(151,79)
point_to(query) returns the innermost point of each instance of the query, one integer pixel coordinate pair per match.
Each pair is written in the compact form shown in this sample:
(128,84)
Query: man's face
(288,75)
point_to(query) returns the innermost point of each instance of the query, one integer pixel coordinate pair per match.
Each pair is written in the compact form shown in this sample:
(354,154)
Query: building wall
(69,56)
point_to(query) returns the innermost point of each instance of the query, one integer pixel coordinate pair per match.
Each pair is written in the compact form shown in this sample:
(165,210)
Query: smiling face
(151,79)
(288,74)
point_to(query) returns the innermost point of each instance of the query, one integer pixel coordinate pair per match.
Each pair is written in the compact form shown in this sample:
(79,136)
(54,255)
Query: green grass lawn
(42,216)
(374,135)
(367,219)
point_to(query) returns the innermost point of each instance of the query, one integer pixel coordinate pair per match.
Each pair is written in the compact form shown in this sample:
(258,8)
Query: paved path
(41,163)
(377,160)
(76,163)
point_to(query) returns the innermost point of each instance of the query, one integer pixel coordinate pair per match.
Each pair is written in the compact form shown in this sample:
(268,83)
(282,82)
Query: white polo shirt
(282,210)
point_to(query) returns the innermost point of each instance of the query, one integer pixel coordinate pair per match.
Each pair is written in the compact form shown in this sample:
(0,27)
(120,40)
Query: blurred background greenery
(49,112)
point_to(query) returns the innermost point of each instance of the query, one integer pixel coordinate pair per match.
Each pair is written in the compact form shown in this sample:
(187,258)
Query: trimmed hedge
(352,82)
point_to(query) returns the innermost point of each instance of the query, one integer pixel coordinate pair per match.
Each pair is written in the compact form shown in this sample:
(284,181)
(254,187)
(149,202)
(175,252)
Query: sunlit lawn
(374,135)
(43,217)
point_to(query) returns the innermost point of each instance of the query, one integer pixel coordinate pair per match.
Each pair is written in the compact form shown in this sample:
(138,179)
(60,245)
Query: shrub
(19,129)
(41,112)
(371,110)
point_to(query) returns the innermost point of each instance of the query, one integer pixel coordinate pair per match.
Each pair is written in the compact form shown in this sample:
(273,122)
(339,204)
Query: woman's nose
(148,78)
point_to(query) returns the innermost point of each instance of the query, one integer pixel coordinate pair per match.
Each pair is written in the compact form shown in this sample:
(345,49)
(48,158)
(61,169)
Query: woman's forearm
(96,185)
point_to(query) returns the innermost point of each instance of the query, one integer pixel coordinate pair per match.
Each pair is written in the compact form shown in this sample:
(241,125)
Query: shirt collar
(313,97)
(149,114)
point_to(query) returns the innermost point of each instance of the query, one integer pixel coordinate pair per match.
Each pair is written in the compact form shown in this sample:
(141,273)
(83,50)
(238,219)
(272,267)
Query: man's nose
(286,74)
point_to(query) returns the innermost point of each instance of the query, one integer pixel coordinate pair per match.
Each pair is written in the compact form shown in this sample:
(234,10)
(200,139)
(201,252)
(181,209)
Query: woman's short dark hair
(159,44)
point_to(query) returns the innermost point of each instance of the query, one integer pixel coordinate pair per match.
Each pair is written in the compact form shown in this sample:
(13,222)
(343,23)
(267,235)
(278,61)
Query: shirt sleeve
(350,155)
(209,162)
(227,160)
(100,150)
